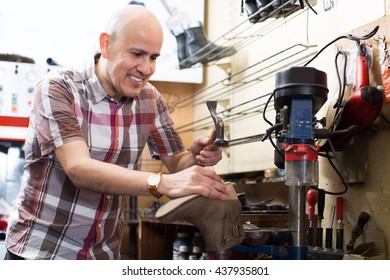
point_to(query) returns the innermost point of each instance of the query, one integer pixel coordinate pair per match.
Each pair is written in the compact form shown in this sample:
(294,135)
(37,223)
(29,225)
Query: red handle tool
(311,199)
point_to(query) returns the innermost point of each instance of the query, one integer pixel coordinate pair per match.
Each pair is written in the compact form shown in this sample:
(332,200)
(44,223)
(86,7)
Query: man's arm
(94,175)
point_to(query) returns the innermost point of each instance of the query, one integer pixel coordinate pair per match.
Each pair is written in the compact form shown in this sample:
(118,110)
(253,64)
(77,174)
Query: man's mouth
(135,79)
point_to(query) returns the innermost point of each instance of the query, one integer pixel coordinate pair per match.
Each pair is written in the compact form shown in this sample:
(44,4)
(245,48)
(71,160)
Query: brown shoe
(219,221)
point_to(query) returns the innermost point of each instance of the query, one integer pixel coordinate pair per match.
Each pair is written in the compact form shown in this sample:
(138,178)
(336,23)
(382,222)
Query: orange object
(386,83)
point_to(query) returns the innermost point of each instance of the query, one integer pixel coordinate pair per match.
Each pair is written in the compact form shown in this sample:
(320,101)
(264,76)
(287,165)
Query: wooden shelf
(155,239)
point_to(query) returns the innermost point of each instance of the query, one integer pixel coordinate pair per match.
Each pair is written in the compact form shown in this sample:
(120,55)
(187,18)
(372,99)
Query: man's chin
(133,92)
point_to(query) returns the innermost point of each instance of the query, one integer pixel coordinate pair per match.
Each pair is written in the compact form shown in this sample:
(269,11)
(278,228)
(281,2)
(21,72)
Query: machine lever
(339,217)
(320,208)
(326,133)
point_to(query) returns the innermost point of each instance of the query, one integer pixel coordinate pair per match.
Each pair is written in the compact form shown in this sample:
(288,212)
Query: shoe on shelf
(251,11)
(277,3)
(184,61)
(194,47)
(265,8)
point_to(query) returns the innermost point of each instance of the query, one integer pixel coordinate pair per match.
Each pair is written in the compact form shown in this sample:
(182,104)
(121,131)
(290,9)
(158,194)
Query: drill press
(299,94)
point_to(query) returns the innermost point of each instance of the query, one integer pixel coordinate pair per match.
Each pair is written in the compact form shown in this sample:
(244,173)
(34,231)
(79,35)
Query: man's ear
(104,41)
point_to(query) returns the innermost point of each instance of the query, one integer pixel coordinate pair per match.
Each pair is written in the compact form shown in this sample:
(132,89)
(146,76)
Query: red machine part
(300,152)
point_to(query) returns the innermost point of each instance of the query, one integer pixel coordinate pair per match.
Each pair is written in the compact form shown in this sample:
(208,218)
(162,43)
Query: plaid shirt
(53,219)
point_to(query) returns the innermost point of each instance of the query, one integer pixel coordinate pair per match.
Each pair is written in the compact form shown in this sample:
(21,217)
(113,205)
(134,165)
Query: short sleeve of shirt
(53,114)
(164,140)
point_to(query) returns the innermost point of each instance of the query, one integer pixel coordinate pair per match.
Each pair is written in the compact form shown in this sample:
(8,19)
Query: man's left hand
(204,152)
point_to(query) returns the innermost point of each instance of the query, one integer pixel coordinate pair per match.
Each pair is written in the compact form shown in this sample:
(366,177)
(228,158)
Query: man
(87,131)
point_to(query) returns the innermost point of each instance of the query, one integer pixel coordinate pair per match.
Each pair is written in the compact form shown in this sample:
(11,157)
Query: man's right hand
(194,180)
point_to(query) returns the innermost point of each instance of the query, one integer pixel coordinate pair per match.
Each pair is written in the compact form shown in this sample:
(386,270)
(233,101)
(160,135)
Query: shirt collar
(98,93)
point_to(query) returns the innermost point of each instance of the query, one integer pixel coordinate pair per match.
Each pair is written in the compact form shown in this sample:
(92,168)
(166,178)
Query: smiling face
(129,52)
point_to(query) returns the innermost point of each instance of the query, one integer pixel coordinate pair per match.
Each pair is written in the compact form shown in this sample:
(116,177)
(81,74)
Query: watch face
(153,180)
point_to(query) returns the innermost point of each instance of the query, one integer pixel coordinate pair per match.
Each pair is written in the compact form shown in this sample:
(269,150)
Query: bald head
(131,15)
(129,48)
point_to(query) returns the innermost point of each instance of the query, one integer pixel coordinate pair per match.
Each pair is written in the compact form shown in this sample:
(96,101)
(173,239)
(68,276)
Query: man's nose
(146,66)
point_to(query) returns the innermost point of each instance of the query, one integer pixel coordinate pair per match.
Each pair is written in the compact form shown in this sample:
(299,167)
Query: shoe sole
(173,204)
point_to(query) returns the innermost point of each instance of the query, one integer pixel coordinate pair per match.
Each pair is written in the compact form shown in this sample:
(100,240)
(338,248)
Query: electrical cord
(337,170)
(265,109)
(310,6)
(268,134)
(342,85)
(384,118)
(349,37)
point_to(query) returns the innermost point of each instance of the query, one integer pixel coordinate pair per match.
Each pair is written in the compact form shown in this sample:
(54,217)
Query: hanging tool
(320,210)
(362,71)
(385,67)
(362,107)
(340,226)
(311,199)
(357,229)
(219,125)
(329,230)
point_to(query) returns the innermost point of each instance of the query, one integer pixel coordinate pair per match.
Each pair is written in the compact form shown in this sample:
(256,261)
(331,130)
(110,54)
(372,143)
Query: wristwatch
(153,182)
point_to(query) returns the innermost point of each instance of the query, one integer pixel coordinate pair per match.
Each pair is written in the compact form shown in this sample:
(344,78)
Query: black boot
(199,48)
(277,3)
(184,61)
(196,43)
(264,12)
(251,9)
(282,7)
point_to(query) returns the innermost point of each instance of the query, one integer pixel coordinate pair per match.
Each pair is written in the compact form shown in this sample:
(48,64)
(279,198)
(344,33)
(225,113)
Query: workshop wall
(372,193)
